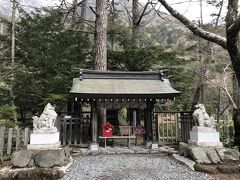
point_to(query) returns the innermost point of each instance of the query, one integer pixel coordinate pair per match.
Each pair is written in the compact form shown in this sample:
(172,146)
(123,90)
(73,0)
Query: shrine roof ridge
(148,75)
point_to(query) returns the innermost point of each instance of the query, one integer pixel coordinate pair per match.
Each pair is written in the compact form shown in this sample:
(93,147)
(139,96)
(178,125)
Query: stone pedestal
(94,147)
(147,143)
(154,146)
(204,136)
(41,140)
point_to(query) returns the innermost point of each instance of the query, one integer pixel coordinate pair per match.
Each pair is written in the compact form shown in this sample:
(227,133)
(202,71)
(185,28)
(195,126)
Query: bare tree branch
(143,12)
(92,9)
(154,37)
(128,13)
(224,110)
(194,27)
(157,11)
(219,13)
(225,87)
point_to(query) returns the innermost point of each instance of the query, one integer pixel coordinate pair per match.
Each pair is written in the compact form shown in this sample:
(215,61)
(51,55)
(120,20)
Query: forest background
(53,43)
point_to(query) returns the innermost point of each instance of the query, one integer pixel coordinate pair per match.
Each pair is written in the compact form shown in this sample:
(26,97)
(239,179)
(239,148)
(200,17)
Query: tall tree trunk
(200,93)
(74,11)
(202,72)
(135,23)
(101,35)
(113,24)
(83,14)
(196,96)
(233,43)
(100,46)
(236,119)
(13,60)
(236,112)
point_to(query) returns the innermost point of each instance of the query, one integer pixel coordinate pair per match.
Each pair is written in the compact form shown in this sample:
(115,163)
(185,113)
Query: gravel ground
(145,166)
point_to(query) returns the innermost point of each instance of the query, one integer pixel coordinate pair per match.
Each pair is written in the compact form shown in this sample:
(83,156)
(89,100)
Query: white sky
(191,9)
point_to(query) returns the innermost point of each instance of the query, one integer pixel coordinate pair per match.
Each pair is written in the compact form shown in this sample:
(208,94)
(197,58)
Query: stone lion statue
(47,118)
(202,118)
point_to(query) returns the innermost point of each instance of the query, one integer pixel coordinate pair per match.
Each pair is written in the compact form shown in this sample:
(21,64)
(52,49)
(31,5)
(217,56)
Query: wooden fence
(75,129)
(167,127)
(173,126)
(12,139)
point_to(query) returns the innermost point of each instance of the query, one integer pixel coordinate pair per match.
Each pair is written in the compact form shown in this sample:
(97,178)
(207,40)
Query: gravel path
(145,166)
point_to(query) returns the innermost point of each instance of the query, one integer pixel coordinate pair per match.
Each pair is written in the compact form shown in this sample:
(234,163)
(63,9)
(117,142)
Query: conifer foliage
(48,56)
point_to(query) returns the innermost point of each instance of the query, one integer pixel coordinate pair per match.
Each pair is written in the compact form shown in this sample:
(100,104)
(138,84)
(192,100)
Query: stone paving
(137,162)
(130,166)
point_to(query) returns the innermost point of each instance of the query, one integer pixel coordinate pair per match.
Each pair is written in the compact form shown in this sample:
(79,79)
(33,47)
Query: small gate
(173,127)
(186,122)
(75,129)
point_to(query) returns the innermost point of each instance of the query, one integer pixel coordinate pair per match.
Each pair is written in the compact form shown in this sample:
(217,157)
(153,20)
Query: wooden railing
(168,127)
(75,129)
(12,139)
(173,126)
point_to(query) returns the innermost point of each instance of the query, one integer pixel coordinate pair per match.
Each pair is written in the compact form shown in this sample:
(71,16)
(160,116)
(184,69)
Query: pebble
(131,166)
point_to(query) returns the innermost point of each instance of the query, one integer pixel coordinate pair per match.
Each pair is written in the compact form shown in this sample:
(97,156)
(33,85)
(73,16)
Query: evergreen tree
(48,57)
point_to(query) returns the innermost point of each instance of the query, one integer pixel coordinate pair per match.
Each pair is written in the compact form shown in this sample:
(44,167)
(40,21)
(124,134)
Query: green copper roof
(94,84)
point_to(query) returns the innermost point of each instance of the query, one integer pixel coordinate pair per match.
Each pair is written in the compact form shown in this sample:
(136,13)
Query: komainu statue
(201,117)
(47,119)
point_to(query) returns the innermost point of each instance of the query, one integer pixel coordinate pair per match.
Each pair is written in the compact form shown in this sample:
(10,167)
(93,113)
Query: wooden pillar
(134,118)
(103,118)
(75,105)
(94,122)
(147,124)
(80,122)
(153,122)
(138,116)
(149,118)
(70,106)
(104,115)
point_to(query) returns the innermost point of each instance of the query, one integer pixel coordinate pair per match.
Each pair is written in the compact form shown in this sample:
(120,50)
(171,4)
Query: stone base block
(205,138)
(210,144)
(44,146)
(44,138)
(208,154)
(184,160)
(154,146)
(94,147)
(148,144)
(45,159)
